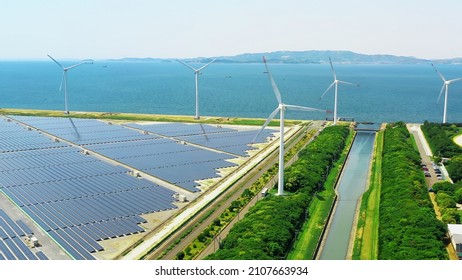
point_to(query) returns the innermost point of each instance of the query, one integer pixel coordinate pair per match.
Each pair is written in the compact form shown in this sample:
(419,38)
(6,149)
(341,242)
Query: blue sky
(100,29)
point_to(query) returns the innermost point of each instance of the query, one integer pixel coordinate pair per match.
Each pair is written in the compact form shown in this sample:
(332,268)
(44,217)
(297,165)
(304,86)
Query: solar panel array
(170,160)
(181,129)
(17,138)
(12,247)
(77,199)
(83,131)
(182,165)
(212,136)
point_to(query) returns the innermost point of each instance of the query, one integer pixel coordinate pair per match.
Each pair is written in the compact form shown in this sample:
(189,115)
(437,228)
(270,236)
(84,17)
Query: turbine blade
(80,63)
(302,108)
(439,74)
(348,83)
(62,81)
(332,67)
(55,61)
(331,85)
(270,118)
(273,83)
(441,93)
(455,80)
(194,69)
(206,64)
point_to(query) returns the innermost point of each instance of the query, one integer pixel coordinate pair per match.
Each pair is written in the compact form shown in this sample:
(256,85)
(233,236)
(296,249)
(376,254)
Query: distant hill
(310,57)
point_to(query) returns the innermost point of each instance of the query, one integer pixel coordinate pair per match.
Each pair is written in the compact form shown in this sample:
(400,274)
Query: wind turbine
(281,108)
(335,83)
(196,74)
(445,87)
(64,78)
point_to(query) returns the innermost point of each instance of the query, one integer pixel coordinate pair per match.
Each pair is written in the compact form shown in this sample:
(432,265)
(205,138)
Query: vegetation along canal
(350,187)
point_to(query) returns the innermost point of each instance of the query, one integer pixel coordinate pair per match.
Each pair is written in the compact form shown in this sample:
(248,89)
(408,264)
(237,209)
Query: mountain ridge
(308,57)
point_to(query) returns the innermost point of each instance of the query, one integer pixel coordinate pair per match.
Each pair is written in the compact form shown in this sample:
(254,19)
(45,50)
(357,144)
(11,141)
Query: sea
(387,93)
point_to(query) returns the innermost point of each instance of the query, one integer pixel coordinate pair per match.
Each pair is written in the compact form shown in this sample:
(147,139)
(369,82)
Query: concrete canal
(350,187)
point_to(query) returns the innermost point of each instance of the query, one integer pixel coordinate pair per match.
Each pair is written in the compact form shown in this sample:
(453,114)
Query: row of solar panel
(144,147)
(225,139)
(75,188)
(56,173)
(79,241)
(84,131)
(237,142)
(11,245)
(180,129)
(42,161)
(29,143)
(81,211)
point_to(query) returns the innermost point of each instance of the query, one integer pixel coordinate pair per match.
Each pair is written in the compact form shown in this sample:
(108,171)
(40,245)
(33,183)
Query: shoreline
(116,116)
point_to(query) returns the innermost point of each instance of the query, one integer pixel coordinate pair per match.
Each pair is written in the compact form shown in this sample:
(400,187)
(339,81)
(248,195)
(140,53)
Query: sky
(102,29)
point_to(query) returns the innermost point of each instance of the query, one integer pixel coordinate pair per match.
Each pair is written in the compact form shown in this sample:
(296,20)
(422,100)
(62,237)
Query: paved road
(424,151)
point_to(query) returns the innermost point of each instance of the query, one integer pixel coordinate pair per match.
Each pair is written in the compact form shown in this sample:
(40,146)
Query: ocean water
(387,93)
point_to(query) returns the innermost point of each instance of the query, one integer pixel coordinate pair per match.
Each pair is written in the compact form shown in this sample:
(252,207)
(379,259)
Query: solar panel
(41,256)
(24,227)
(181,129)
(83,131)
(236,142)
(6,251)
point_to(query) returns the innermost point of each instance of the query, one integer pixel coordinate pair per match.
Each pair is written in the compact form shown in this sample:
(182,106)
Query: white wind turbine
(196,74)
(335,83)
(281,108)
(64,78)
(445,87)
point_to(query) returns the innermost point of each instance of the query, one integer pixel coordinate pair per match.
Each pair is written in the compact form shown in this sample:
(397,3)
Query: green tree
(454,168)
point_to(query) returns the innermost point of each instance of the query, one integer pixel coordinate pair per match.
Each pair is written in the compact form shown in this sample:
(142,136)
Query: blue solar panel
(14,249)
(8,230)
(24,227)
(41,256)
(181,129)
(6,251)
(69,245)
(236,142)
(84,131)
(3,234)
(17,231)
(24,249)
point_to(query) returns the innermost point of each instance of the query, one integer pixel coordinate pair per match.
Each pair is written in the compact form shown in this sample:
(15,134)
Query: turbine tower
(64,78)
(196,74)
(335,83)
(444,88)
(280,109)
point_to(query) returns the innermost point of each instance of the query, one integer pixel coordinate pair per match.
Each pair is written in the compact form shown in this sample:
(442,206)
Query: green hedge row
(268,229)
(408,227)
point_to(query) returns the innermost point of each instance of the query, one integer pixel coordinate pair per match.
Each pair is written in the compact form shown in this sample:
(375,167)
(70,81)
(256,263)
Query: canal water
(350,187)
